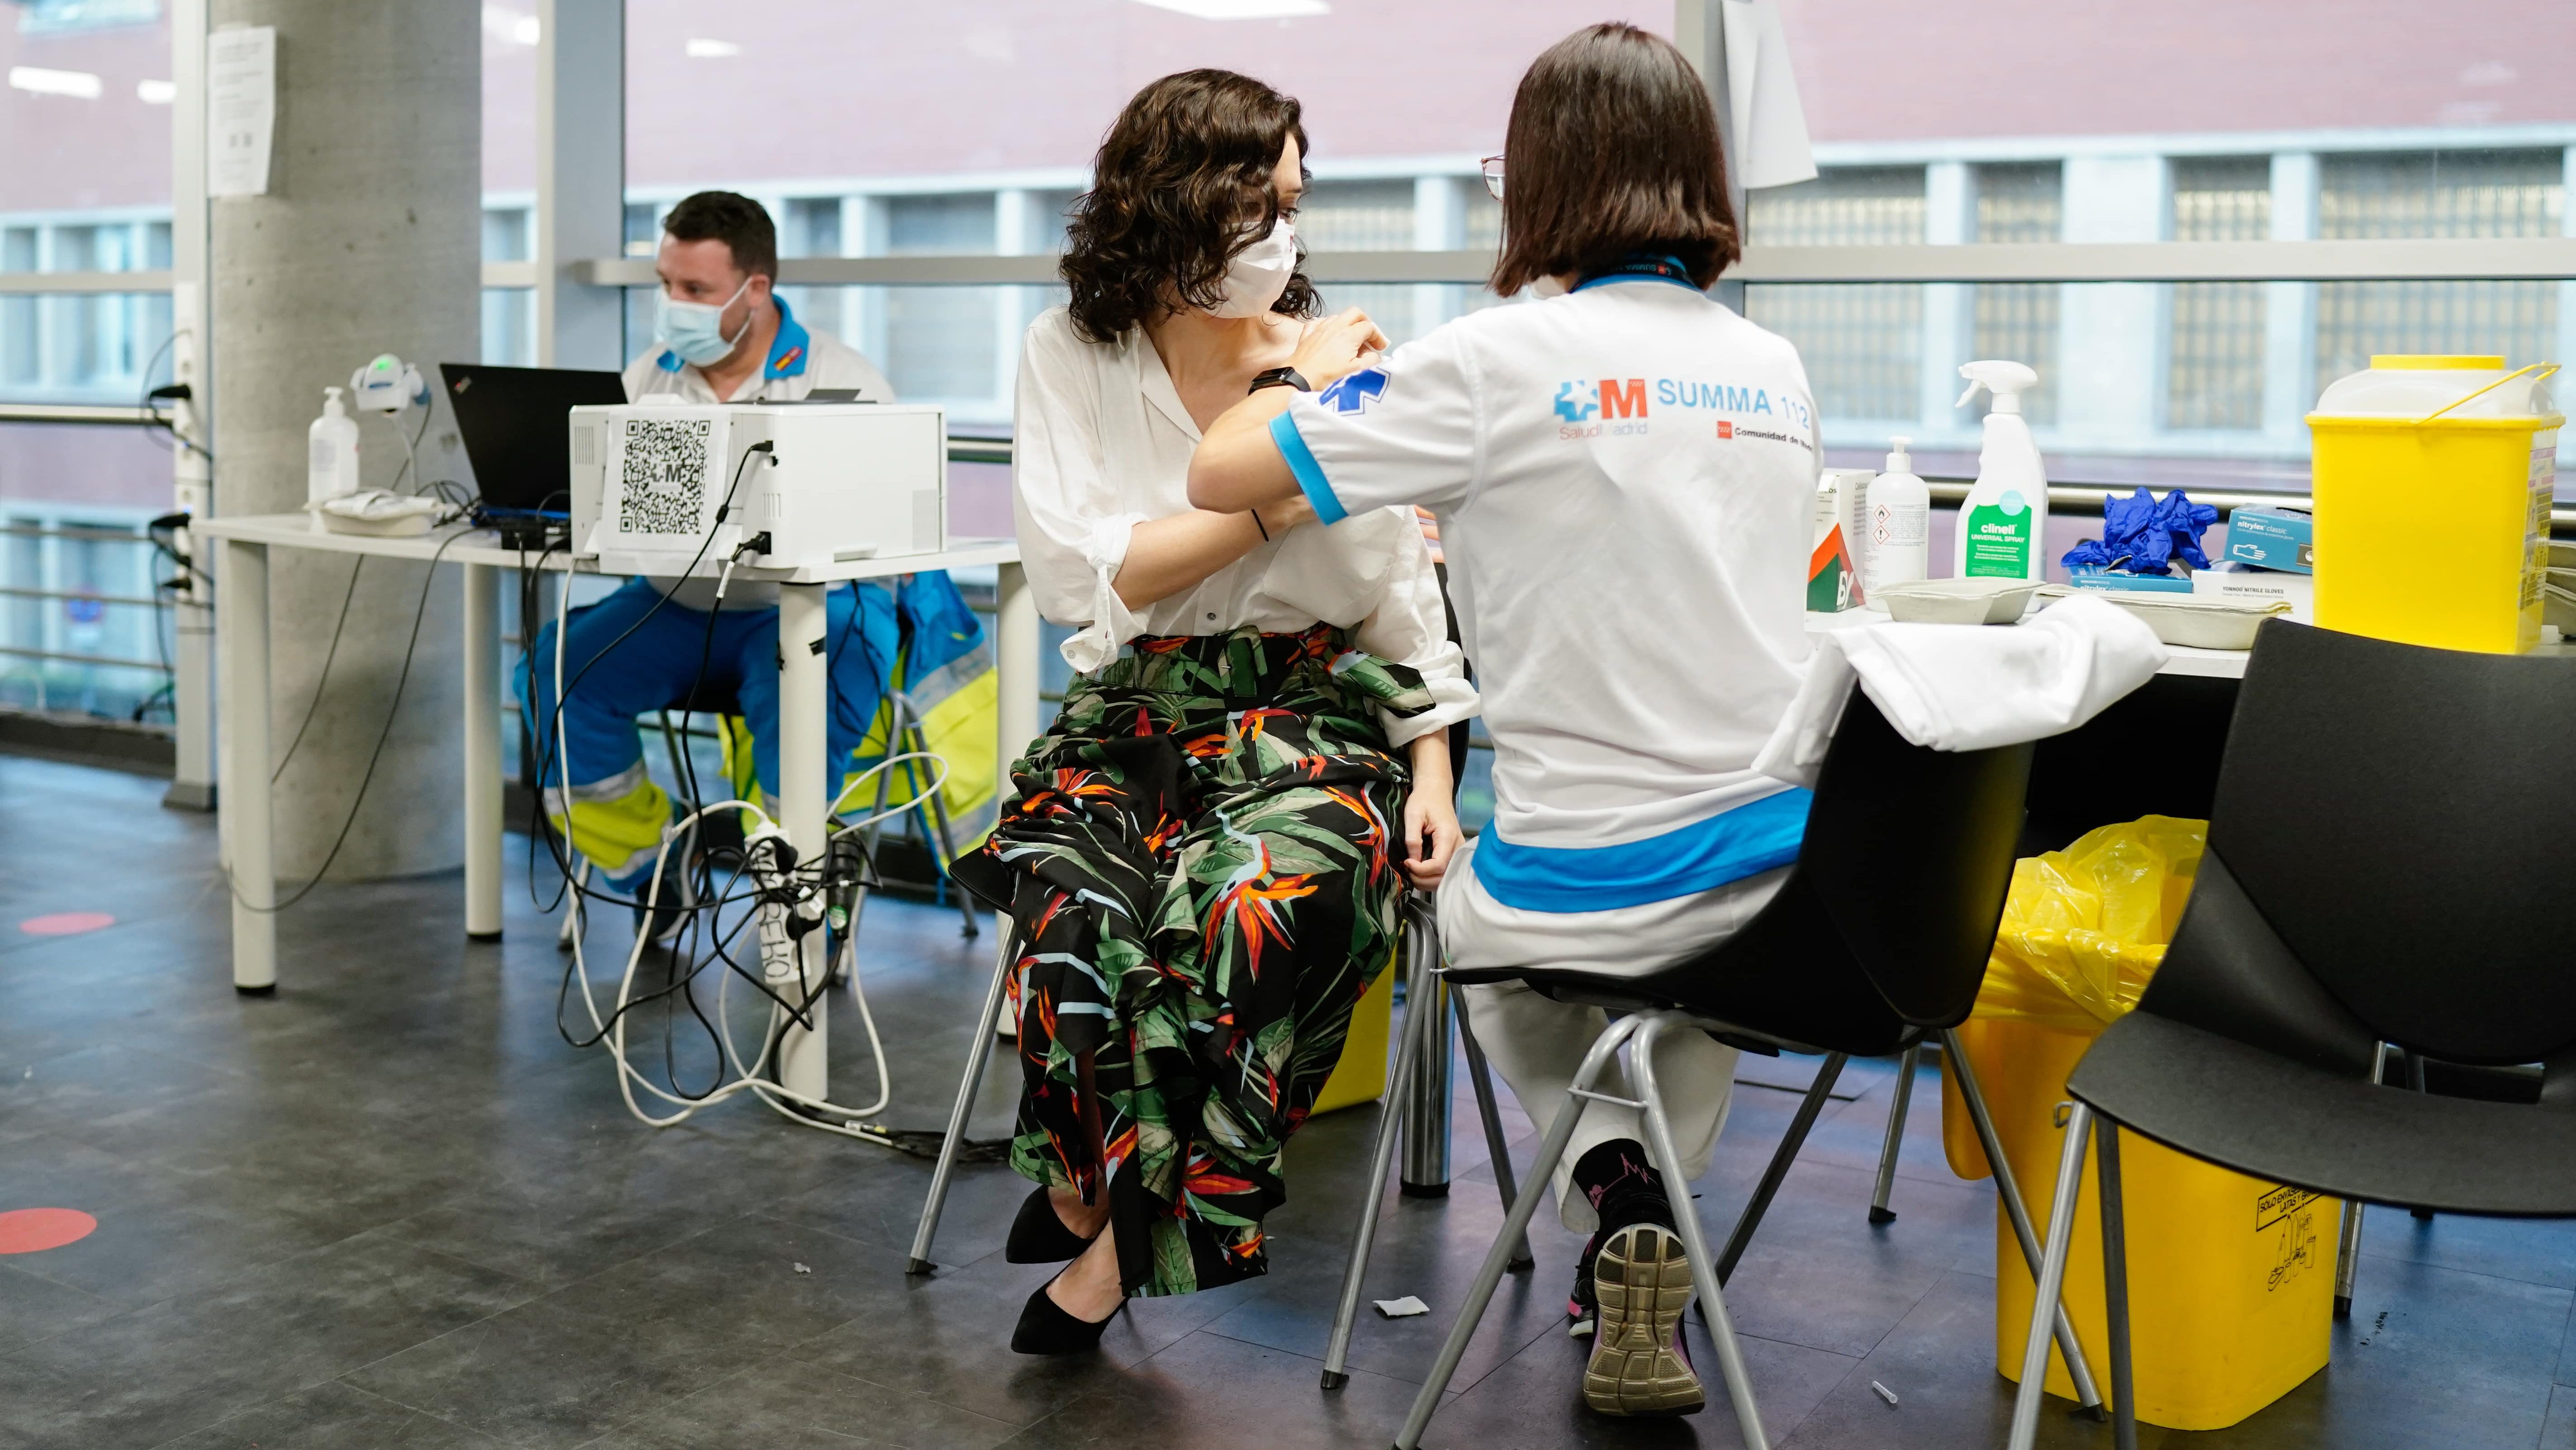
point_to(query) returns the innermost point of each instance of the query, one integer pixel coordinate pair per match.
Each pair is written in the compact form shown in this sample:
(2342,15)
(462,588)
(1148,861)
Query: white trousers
(1538,1043)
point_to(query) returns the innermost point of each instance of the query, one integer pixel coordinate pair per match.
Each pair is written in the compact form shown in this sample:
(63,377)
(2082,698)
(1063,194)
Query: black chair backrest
(1909,851)
(2401,818)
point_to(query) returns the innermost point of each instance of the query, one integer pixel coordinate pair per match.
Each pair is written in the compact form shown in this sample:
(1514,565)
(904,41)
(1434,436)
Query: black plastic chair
(2386,865)
(1877,941)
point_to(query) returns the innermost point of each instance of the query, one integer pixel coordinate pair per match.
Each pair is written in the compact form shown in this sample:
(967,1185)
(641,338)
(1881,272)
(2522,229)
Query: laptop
(516,424)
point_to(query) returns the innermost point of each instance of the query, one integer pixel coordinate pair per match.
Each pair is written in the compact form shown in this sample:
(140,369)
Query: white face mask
(695,330)
(1543,288)
(1258,274)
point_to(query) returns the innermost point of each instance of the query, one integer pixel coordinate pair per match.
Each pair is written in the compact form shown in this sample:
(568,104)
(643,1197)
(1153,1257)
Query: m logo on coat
(1353,392)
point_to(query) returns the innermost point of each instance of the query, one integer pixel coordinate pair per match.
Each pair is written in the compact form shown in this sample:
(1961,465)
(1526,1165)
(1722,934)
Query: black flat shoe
(1045,1328)
(1038,1236)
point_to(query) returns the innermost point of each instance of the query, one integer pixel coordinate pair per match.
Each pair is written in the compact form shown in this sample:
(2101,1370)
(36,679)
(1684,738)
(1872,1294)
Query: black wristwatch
(1280,377)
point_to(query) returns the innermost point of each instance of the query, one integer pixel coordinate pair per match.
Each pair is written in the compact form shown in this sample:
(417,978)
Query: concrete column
(2290,308)
(1949,308)
(368,241)
(2111,345)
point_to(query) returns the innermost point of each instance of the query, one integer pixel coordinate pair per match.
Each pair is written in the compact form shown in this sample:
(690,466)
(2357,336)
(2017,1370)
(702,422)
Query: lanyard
(1642,268)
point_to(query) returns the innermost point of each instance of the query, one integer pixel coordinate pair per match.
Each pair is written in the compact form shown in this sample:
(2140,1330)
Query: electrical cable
(155,417)
(393,712)
(411,446)
(799,889)
(324,680)
(554,743)
(610,1027)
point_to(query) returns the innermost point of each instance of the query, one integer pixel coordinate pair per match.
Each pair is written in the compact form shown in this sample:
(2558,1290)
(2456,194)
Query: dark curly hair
(1181,185)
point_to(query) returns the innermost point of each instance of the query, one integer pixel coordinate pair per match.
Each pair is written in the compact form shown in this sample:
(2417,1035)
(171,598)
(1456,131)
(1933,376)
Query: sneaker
(1583,1307)
(1636,1196)
(1642,1281)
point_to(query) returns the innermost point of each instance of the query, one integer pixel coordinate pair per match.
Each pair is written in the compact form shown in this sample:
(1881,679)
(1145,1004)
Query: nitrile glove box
(2123,582)
(2272,538)
(2244,584)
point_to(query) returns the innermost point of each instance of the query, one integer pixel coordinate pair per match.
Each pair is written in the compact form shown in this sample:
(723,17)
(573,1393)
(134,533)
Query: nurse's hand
(1339,344)
(1431,833)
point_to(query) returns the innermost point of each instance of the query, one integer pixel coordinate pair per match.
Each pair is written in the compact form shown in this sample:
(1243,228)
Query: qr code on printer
(664,484)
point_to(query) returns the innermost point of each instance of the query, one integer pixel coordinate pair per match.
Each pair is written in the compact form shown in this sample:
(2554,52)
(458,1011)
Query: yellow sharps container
(1360,1077)
(2231,1278)
(2433,484)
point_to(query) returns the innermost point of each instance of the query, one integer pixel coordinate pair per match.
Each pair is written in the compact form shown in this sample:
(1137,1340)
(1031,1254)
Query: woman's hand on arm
(1169,556)
(1431,833)
(1237,466)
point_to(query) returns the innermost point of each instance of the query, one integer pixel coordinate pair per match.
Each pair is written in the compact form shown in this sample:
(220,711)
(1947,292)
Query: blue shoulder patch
(1353,392)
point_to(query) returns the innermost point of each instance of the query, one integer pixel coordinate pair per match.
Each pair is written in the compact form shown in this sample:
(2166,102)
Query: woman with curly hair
(1208,852)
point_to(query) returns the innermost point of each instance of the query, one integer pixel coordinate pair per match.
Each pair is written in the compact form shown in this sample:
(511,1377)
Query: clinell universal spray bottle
(2003,527)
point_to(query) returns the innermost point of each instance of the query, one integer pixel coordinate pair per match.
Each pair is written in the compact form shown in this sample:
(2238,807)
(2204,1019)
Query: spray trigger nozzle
(2006,380)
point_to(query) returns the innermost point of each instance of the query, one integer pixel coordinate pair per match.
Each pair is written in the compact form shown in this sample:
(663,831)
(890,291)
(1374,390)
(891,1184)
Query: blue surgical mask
(695,330)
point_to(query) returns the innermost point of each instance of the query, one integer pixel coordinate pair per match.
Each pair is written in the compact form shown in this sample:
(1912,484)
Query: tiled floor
(390,1207)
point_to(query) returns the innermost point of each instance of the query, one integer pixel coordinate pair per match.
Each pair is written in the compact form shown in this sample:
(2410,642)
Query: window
(1369,216)
(1862,343)
(2214,371)
(20,336)
(509,313)
(2438,194)
(812,228)
(939,341)
(2018,320)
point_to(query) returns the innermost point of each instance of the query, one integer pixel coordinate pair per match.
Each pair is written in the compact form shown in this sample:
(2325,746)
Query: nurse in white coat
(1624,475)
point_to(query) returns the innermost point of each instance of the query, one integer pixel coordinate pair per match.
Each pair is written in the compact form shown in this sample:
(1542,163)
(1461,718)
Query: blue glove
(2143,536)
(2182,522)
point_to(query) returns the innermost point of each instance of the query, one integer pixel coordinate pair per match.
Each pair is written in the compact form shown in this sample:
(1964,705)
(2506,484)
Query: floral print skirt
(1204,867)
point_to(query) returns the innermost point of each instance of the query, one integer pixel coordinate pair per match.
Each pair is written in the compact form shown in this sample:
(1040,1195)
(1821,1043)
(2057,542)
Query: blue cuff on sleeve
(1309,473)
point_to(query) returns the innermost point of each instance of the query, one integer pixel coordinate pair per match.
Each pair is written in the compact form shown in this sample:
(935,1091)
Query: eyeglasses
(1493,168)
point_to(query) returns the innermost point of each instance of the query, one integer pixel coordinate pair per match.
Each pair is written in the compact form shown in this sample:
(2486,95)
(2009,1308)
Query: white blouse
(1103,444)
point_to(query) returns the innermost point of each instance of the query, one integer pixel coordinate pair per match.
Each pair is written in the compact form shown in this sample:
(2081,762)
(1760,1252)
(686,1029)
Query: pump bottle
(1900,513)
(331,464)
(2003,526)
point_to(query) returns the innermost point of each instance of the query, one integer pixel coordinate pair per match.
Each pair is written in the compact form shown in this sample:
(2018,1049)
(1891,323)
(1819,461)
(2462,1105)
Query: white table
(242,619)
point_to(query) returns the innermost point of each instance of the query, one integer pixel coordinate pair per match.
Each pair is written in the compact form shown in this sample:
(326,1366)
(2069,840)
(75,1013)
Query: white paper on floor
(1402,1308)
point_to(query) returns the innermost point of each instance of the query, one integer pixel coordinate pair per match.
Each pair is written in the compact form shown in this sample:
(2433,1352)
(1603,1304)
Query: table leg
(482,752)
(804,698)
(1015,662)
(244,794)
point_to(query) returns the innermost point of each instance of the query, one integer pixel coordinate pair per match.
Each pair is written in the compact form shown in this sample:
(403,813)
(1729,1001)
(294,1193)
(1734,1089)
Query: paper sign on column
(241,109)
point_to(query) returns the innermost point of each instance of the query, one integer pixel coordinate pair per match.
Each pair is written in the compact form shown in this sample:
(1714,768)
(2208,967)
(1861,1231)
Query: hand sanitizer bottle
(1900,514)
(331,464)
(2003,527)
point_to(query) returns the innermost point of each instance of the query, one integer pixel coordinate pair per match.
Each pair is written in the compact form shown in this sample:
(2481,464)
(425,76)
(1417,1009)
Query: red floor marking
(32,1230)
(66,923)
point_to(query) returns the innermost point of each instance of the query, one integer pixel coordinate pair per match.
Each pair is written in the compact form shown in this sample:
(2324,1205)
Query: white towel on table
(1967,686)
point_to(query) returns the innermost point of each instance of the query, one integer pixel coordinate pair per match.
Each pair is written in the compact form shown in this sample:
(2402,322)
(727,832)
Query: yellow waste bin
(2231,1279)
(1360,1077)
(2434,478)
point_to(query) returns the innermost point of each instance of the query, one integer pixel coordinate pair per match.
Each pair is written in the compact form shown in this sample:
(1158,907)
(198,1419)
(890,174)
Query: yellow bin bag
(2435,530)
(2231,1279)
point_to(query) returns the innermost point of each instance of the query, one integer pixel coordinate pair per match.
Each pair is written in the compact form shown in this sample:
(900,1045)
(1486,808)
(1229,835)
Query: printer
(657,484)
